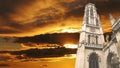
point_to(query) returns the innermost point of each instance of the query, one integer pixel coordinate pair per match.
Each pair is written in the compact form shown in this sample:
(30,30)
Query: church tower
(91,40)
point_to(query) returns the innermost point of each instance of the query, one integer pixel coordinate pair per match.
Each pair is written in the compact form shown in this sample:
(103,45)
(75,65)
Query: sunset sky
(22,18)
(46,22)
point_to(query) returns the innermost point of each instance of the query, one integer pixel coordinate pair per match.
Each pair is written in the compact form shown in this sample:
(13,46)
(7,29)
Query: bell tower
(91,28)
(91,40)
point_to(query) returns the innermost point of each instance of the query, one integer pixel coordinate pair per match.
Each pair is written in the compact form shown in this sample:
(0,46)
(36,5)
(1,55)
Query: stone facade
(116,32)
(92,51)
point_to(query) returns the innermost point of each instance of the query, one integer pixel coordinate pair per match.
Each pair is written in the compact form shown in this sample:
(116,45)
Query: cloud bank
(33,17)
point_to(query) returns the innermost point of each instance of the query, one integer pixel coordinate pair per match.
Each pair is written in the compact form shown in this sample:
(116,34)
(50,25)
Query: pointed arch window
(93,61)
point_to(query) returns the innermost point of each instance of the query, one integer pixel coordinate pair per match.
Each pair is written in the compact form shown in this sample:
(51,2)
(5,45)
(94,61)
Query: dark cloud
(5,57)
(57,38)
(34,17)
(52,38)
(4,65)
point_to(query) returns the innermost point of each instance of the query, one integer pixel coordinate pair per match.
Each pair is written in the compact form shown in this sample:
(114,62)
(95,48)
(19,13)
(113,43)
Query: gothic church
(92,51)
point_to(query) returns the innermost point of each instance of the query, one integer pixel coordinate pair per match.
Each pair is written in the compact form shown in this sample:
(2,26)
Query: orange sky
(35,17)
(48,19)
(60,62)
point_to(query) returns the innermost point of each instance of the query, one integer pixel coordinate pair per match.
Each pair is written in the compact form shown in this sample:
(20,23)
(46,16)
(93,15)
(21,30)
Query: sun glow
(70,30)
(72,46)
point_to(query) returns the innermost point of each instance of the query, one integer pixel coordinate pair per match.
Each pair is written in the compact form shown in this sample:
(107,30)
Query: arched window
(112,61)
(93,61)
(109,59)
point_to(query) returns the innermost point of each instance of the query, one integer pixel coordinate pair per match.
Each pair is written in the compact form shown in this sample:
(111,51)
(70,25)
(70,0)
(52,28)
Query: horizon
(46,34)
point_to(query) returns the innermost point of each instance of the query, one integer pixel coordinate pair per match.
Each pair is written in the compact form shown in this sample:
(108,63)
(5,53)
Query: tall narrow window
(87,20)
(97,22)
(96,39)
(88,38)
(91,12)
(87,16)
(93,39)
(93,61)
(109,60)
